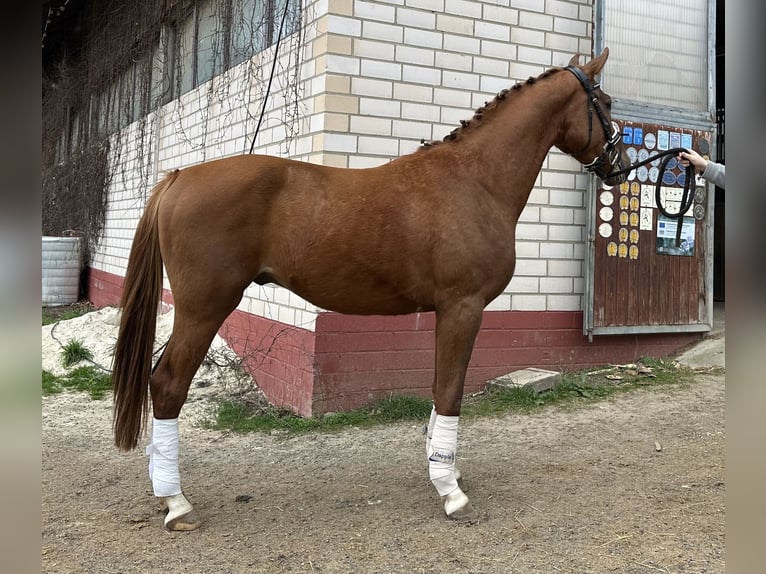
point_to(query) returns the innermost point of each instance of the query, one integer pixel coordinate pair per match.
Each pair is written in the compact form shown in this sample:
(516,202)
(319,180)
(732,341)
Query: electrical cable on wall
(271,75)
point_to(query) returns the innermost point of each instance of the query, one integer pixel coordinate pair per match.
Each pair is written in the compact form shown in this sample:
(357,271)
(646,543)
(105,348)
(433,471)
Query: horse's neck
(511,147)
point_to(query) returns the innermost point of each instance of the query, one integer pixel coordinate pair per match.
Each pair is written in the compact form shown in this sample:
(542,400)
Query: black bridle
(609,153)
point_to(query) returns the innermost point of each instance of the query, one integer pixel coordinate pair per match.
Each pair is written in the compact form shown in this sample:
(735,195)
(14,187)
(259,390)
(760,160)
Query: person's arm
(711,171)
(715,173)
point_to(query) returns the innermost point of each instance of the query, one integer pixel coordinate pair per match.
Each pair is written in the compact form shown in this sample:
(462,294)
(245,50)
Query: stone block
(537,380)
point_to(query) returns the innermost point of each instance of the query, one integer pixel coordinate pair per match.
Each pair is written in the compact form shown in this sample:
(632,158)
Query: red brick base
(350,360)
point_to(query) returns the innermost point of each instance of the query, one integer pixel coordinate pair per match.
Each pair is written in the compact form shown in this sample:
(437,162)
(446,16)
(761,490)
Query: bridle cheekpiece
(609,154)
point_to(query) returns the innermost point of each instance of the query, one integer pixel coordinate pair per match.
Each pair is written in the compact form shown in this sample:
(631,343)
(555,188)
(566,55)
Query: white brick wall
(376,77)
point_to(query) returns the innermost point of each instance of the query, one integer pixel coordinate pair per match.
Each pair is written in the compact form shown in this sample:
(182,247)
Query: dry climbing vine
(103,89)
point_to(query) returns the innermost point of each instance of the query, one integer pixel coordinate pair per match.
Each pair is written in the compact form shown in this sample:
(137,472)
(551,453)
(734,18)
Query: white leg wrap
(430,430)
(442,450)
(163,458)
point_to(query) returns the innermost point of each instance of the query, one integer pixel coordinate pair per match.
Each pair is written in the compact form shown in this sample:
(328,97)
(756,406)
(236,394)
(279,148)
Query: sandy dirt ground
(576,490)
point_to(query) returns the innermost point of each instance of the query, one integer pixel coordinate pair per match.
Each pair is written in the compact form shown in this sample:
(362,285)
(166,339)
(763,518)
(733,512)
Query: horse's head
(590,135)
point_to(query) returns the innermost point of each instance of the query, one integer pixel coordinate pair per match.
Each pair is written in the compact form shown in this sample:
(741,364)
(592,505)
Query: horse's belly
(348,291)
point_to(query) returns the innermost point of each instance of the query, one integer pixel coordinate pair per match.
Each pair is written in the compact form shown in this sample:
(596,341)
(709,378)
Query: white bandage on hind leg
(163,458)
(430,430)
(442,450)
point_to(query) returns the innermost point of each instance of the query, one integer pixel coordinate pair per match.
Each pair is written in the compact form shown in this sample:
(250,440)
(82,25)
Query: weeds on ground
(73,352)
(89,379)
(243,418)
(577,388)
(65,312)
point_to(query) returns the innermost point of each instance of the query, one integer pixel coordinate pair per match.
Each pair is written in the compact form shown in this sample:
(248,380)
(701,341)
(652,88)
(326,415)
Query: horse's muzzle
(619,177)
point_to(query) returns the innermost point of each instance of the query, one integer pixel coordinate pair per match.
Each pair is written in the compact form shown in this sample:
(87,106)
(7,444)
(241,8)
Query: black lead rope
(687,198)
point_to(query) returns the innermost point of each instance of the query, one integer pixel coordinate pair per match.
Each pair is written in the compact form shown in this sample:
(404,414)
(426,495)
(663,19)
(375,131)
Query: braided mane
(486,110)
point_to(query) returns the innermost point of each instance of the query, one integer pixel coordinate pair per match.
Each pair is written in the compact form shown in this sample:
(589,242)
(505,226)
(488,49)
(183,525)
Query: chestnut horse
(430,231)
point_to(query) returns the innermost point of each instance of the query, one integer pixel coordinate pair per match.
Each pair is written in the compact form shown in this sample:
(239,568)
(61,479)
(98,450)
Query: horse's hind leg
(194,327)
(456,327)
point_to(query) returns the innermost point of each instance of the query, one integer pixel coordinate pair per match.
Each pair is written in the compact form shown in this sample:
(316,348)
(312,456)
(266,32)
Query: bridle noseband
(609,154)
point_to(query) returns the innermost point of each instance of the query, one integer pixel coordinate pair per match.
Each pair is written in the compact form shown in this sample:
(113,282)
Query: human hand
(692,157)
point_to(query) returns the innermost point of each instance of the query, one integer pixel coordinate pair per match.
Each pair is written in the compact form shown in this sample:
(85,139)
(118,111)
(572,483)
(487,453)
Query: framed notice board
(639,278)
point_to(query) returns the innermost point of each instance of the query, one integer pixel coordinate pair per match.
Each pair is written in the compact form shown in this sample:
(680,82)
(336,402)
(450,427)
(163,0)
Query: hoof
(465,515)
(458,507)
(180,514)
(184,523)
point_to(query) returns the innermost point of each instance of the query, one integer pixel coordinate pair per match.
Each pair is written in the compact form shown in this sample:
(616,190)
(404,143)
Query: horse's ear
(593,67)
(575,60)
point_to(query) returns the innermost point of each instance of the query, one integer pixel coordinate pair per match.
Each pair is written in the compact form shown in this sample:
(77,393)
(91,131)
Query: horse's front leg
(456,327)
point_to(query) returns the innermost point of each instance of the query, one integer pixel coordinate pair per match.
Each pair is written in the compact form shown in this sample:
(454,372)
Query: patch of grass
(576,388)
(65,312)
(73,352)
(51,384)
(89,380)
(242,418)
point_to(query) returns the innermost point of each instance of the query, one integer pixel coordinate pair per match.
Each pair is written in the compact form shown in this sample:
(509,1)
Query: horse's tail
(132,365)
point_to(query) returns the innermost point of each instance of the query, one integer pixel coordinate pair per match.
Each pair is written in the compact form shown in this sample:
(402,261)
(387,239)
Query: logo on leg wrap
(442,455)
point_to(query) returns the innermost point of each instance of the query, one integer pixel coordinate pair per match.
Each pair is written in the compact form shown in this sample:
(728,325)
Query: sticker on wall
(646,220)
(634,219)
(666,236)
(605,230)
(671,194)
(654,173)
(638,136)
(632,154)
(624,187)
(622,250)
(681,179)
(650,140)
(634,236)
(611,249)
(675,139)
(627,135)
(663,140)
(699,212)
(624,202)
(642,173)
(686,141)
(635,188)
(647,196)
(607,198)
(699,195)
(606,213)
(634,202)
(623,218)
(633,252)
(668,178)
(622,235)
